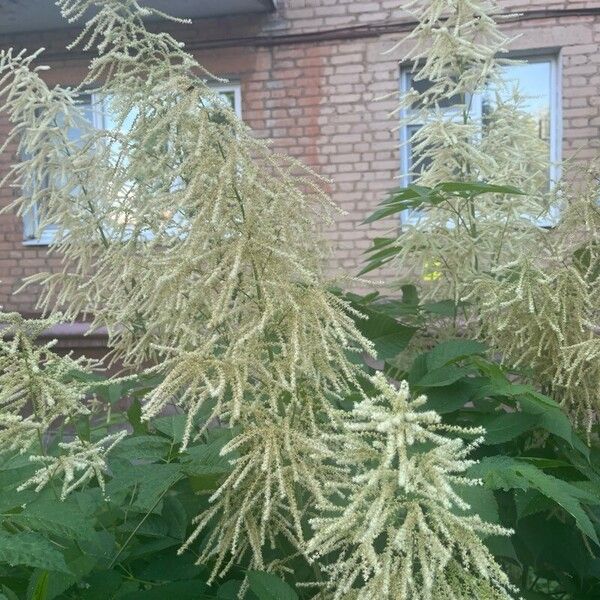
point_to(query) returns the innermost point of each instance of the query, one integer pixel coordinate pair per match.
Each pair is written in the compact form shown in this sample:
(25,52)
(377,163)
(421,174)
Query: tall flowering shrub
(529,290)
(194,245)
(456,53)
(541,310)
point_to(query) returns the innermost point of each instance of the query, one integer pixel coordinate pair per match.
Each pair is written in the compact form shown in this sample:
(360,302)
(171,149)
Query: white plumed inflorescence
(39,392)
(456,53)
(542,311)
(399,532)
(197,248)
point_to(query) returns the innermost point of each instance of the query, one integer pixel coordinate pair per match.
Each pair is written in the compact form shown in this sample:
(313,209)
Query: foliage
(540,479)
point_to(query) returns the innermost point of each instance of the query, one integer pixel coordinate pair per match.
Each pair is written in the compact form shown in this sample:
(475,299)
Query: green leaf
(410,295)
(182,590)
(40,591)
(170,567)
(31,550)
(443,376)
(8,594)
(503,472)
(403,199)
(229,590)
(147,447)
(504,427)
(51,516)
(451,351)
(551,416)
(134,414)
(482,502)
(382,252)
(443,308)
(388,335)
(270,587)
(454,396)
(101,585)
(206,459)
(174,514)
(172,426)
(150,481)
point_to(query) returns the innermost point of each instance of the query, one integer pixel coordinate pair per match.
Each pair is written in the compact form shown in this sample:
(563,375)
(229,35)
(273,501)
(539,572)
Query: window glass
(533,81)
(97,111)
(536,84)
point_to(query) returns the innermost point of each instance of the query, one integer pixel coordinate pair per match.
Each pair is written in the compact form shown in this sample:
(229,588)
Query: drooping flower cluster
(399,533)
(195,246)
(279,471)
(542,311)
(37,387)
(39,391)
(80,462)
(455,50)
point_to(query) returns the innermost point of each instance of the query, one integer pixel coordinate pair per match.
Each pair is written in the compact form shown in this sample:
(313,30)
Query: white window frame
(31,219)
(553,58)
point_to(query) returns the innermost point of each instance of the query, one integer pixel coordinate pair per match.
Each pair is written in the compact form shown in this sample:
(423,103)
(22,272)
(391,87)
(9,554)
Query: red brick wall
(316,97)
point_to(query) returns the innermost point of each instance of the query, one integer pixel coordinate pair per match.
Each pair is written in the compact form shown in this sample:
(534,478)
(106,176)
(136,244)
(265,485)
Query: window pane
(422,85)
(414,169)
(533,81)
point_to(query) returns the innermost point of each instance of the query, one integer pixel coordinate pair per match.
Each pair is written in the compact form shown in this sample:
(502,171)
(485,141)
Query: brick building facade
(309,75)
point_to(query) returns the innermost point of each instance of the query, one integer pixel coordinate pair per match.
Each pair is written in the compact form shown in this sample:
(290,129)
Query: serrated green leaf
(31,550)
(503,472)
(51,516)
(270,587)
(452,350)
(504,427)
(388,335)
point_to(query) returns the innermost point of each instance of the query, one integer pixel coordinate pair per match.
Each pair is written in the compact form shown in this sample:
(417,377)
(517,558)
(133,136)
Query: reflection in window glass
(97,111)
(536,85)
(533,82)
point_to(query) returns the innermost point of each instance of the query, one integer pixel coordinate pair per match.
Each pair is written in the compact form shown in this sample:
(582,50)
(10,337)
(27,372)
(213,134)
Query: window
(98,117)
(536,79)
